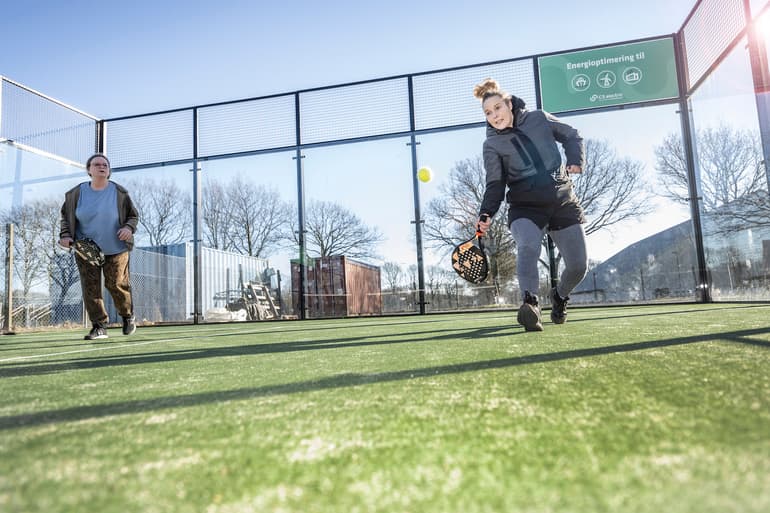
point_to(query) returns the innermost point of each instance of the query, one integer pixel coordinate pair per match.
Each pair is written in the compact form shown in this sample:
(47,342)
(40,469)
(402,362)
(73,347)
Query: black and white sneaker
(129,325)
(529,313)
(96,332)
(558,307)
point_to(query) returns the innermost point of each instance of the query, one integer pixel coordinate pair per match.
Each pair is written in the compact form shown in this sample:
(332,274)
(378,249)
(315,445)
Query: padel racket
(89,251)
(469,259)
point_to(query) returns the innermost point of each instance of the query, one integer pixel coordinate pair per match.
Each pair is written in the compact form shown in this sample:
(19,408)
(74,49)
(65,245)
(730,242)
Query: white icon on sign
(580,82)
(632,76)
(606,79)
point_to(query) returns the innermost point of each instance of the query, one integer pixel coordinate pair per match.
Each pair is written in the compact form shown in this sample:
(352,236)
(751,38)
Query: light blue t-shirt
(97,215)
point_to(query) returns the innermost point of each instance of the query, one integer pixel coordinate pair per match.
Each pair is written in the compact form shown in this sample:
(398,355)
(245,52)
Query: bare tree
(334,230)
(164,210)
(731,176)
(391,273)
(441,286)
(31,257)
(730,163)
(451,217)
(38,261)
(216,216)
(413,285)
(257,217)
(672,167)
(610,189)
(62,272)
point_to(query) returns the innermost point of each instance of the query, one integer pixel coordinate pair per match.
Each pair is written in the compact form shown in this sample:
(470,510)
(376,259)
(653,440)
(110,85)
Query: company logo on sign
(614,75)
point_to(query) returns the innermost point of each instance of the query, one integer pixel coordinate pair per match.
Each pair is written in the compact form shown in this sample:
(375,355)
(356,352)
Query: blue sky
(112,58)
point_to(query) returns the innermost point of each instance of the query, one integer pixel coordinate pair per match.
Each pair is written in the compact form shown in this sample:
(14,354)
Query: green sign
(615,75)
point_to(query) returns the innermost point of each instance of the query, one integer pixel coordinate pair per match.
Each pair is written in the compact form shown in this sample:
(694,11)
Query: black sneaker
(129,326)
(96,332)
(558,307)
(529,313)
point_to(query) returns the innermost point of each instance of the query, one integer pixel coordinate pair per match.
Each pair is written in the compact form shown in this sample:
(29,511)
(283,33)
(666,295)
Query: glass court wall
(306,204)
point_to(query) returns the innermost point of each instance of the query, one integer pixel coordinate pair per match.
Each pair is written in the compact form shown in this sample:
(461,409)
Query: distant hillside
(660,265)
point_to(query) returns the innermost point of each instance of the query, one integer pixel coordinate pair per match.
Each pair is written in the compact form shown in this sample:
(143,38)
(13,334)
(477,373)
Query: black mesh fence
(379,108)
(708,32)
(445,99)
(354,111)
(139,140)
(246,126)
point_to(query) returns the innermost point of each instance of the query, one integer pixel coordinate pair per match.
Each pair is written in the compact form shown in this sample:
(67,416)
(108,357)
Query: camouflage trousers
(116,280)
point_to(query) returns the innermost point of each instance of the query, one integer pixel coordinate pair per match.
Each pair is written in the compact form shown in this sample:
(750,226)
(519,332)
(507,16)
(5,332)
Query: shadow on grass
(319,325)
(351,379)
(243,329)
(637,314)
(25,367)
(17,369)
(52,348)
(284,326)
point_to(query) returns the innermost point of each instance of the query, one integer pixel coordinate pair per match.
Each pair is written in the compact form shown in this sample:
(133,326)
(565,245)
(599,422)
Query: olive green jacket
(128,216)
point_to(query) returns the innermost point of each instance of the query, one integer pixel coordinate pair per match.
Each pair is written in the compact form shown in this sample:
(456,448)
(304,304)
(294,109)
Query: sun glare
(762,26)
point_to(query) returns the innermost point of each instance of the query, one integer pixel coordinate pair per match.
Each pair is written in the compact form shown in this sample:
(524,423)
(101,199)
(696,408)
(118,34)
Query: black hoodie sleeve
(494,194)
(569,138)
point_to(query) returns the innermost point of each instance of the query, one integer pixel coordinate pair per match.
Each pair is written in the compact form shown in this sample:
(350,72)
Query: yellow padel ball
(424,174)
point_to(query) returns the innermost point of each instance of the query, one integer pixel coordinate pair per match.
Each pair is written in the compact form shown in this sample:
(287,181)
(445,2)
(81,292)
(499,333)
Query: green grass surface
(644,409)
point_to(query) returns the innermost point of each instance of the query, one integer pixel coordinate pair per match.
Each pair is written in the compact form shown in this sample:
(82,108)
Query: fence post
(8,303)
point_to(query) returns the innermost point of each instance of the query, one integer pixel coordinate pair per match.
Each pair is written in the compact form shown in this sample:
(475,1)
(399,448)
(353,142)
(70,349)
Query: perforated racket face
(89,251)
(470,262)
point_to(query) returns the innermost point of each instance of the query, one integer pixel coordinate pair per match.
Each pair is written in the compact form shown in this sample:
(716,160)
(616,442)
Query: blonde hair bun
(488,87)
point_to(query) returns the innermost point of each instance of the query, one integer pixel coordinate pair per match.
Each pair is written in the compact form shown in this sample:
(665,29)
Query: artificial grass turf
(653,408)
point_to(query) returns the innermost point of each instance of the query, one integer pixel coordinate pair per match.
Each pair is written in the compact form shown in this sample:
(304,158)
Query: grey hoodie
(526,150)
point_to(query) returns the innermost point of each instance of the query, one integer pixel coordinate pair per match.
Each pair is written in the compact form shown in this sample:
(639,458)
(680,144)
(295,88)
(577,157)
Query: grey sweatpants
(571,242)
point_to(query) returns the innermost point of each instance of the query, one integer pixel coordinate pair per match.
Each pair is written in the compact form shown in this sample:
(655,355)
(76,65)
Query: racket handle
(482,217)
